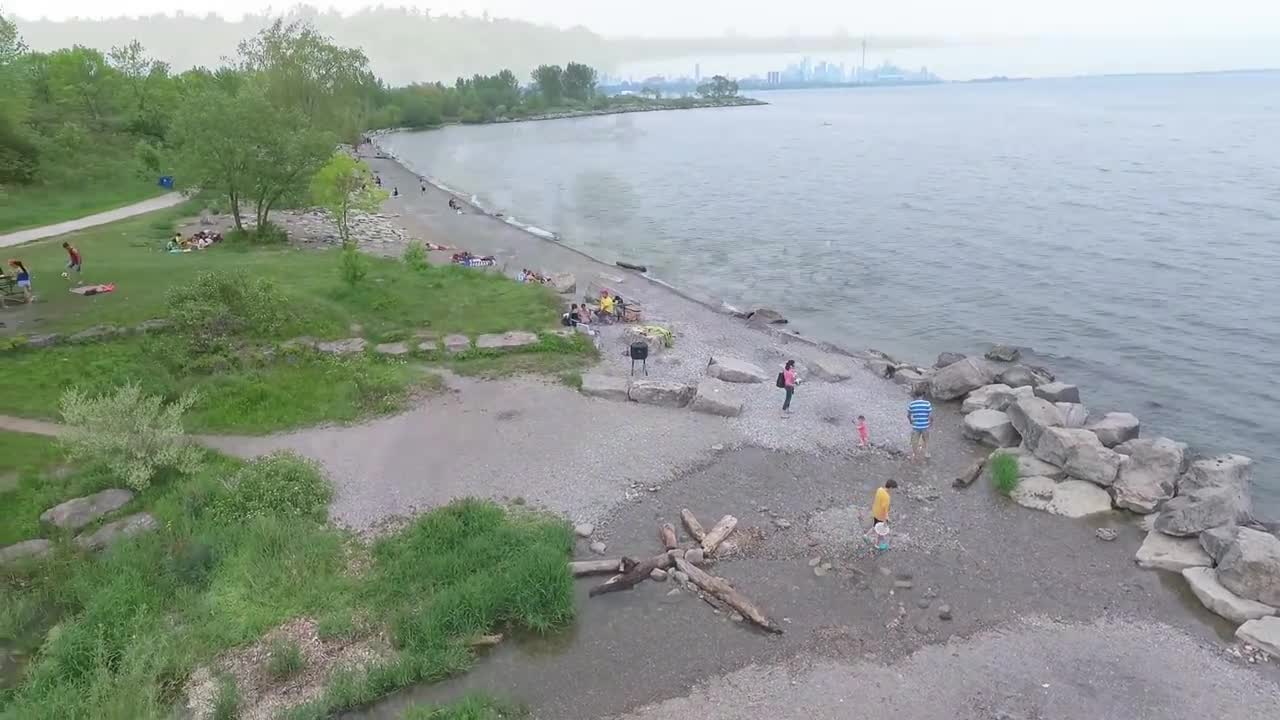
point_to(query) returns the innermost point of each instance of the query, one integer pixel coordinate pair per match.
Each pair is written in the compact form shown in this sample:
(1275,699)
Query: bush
(1004,473)
(136,436)
(218,306)
(286,659)
(415,256)
(352,266)
(282,484)
(226,706)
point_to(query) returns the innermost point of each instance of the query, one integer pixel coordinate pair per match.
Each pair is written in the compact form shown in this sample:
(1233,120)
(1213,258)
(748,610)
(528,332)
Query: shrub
(218,306)
(282,484)
(1004,473)
(286,659)
(415,256)
(336,625)
(136,436)
(226,705)
(352,266)
(471,707)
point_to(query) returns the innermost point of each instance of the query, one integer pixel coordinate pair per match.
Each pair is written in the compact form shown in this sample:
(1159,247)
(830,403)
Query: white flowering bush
(135,435)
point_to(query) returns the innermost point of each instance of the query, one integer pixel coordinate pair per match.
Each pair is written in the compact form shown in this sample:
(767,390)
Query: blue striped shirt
(920,411)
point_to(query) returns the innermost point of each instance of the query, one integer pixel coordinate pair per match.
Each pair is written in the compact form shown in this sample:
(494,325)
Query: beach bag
(782,380)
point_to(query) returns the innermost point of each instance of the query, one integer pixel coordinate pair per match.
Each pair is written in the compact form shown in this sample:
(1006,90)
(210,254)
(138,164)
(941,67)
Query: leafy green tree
(718,87)
(150,89)
(81,80)
(344,185)
(579,81)
(18,155)
(548,81)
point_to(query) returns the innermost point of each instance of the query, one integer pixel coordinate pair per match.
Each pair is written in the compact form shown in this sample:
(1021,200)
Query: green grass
(472,707)
(285,660)
(44,205)
(226,705)
(552,356)
(1004,473)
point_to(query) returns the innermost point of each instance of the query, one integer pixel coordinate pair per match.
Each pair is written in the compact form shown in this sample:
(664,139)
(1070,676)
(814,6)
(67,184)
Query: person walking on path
(787,381)
(880,504)
(74,262)
(864,434)
(920,415)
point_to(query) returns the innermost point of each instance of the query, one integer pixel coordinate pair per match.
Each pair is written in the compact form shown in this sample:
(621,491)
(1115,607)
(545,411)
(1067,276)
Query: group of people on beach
(18,275)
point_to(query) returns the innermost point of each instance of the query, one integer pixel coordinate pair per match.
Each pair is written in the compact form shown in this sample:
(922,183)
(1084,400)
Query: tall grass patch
(1004,473)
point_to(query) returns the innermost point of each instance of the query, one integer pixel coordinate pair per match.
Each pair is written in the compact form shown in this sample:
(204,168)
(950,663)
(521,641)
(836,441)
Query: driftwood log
(692,525)
(719,533)
(596,567)
(636,573)
(668,534)
(486,640)
(971,474)
(722,590)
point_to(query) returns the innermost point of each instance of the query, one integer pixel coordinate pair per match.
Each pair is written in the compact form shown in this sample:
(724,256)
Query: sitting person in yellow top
(606,305)
(880,505)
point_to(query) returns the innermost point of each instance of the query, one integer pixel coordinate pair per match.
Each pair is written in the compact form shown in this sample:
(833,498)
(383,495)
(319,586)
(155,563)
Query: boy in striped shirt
(920,415)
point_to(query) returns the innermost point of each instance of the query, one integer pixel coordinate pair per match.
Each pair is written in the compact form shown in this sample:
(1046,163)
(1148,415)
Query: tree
(718,87)
(579,81)
(18,155)
(148,83)
(80,78)
(548,81)
(345,184)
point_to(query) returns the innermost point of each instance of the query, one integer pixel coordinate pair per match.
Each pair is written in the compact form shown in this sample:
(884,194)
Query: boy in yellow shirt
(880,505)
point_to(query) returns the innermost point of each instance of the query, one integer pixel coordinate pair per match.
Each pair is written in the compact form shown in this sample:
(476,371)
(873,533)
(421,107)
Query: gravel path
(102,218)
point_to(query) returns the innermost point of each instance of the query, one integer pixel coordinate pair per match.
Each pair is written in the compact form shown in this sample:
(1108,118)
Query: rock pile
(79,513)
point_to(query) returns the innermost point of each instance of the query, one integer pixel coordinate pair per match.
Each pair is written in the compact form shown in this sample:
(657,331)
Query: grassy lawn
(235,560)
(41,205)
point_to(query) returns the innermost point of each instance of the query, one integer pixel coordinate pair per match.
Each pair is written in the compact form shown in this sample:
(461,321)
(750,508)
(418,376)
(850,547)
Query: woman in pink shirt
(789,384)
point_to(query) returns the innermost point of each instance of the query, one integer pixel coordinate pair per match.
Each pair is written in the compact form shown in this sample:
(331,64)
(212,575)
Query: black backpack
(782,380)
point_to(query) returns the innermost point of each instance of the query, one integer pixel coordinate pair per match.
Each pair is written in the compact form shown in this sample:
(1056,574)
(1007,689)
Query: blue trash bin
(166,181)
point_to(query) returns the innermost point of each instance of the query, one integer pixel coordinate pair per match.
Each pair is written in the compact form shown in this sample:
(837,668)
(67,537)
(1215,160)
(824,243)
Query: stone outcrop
(1004,353)
(1150,475)
(563,283)
(1250,567)
(1204,585)
(1263,633)
(993,397)
(664,393)
(735,371)
(1226,471)
(948,358)
(605,386)
(25,550)
(1024,376)
(766,316)
(114,531)
(507,341)
(1074,415)
(716,398)
(75,514)
(394,349)
(1031,417)
(350,346)
(97,333)
(1093,462)
(1216,541)
(1057,443)
(1115,428)
(1188,515)
(990,427)
(910,377)
(958,379)
(1030,466)
(454,344)
(1058,392)
(1162,552)
(829,369)
(1069,498)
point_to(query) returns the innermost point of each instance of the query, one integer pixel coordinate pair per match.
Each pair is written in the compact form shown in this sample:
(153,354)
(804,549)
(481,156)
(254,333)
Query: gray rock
(1020,376)
(1115,428)
(1263,633)
(96,333)
(990,427)
(75,514)
(350,346)
(454,344)
(584,530)
(1221,601)
(735,371)
(1250,567)
(563,283)
(605,386)
(948,358)
(959,379)
(665,393)
(1226,471)
(782,523)
(716,398)
(395,349)
(27,549)
(43,340)
(1070,498)
(1163,552)
(1056,444)
(1031,417)
(127,527)
(1216,541)
(681,577)
(829,369)
(1004,353)
(766,316)
(632,334)
(1093,462)
(428,346)
(152,325)
(598,547)
(1106,534)
(879,367)
(1187,515)
(1074,415)
(658,575)
(1058,392)
(695,556)
(944,612)
(299,343)
(994,397)
(514,340)
(1030,466)
(910,377)
(1149,476)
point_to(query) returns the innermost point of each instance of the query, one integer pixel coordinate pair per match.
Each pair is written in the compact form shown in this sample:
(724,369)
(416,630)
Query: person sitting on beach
(23,278)
(619,308)
(606,307)
(575,315)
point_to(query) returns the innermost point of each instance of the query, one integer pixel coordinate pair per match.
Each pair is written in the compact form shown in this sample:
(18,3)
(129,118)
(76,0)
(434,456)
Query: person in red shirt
(789,381)
(74,262)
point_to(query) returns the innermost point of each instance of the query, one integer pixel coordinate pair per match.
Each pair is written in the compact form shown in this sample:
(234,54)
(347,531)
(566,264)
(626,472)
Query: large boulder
(1225,471)
(656,338)
(948,358)
(1074,415)
(1150,475)
(1262,633)
(1192,514)
(1031,416)
(1093,462)
(350,346)
(829,369)
(1115,428)
(1162,552)
(990,427)
(661,392)
(514,340)
(1216,541)
(605,386)
(1057,443)
(455,344)
(910,377)
(1031,466)
(766,316)
(958,379)
(1219,600)
(993,397)
(393,349)
(1058,392)
(113,531)
(27,549)
(716,398)
(75,514)
(1004,353)
(735,371)
(1070,498)
(1250,567)
(1025,376)
(563,283)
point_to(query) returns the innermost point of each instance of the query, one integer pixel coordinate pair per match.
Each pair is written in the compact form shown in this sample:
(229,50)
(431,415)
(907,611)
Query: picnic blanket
(93,289)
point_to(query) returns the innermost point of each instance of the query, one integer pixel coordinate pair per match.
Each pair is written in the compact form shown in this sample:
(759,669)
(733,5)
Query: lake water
(1125,229)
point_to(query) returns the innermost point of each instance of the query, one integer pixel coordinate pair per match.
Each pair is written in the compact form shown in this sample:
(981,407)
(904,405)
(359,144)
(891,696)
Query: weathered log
(971,474)
(595,567)
(638,573)
(692,525)
(722,590)
(719,533)
(668,534)
(486,640)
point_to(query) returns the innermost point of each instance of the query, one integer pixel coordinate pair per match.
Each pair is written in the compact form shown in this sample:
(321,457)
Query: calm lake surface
(1126,229)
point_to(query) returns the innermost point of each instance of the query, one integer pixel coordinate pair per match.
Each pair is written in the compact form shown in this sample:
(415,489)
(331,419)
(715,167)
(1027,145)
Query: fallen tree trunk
(668,534)
(719,533)
(971,474)
(722,590)
(692,525)
(637,574)
(596,567)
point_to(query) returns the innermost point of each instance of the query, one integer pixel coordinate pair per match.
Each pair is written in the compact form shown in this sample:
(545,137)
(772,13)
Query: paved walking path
(102,218)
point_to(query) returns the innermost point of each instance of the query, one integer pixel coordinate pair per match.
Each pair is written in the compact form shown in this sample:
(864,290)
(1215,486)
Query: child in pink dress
(864,435)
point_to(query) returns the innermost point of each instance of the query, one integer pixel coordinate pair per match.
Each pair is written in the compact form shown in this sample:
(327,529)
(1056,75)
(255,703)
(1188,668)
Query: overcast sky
(953,18)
